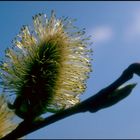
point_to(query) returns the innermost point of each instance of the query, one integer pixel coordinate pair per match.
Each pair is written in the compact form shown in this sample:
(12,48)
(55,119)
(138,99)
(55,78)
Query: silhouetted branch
(96,102)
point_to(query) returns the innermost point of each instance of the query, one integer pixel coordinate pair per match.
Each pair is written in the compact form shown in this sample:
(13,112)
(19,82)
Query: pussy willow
(47,66)
(6,116)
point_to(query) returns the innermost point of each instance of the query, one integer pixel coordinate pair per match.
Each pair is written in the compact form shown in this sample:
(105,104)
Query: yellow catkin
(6,116)
(73,66)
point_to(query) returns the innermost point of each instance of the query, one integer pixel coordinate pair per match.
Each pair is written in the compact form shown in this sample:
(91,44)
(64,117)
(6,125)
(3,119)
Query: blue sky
(115,30)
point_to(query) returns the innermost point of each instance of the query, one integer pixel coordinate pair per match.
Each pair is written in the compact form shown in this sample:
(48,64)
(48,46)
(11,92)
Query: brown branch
(92,104)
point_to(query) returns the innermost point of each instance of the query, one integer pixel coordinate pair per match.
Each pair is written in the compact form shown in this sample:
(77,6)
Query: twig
(92,104)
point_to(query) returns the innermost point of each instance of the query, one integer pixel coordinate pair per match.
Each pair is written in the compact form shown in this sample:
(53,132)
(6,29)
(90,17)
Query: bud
(118,95)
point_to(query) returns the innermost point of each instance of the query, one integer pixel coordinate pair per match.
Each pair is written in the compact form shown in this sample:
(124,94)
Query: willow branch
(92,104)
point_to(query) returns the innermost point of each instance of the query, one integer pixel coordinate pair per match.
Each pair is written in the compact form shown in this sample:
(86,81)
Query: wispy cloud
(132,29)
(102,34)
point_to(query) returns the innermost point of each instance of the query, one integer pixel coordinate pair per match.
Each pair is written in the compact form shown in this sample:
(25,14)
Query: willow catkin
(47,67)
(6,118)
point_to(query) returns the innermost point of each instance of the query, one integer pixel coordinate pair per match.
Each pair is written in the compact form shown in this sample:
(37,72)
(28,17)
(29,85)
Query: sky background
(115,30)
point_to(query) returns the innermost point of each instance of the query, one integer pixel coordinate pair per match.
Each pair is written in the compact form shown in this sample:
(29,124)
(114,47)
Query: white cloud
(102,34)
(132,29)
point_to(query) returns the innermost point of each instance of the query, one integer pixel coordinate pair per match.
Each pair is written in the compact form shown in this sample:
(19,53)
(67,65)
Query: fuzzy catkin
(48,66)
